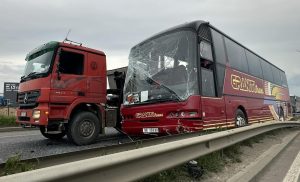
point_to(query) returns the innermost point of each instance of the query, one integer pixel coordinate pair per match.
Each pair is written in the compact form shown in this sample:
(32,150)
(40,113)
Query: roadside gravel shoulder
(249,154)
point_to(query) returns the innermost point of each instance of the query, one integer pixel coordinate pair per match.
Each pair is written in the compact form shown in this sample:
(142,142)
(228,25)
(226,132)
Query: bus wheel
(240,119)
(52,136)
(83,128)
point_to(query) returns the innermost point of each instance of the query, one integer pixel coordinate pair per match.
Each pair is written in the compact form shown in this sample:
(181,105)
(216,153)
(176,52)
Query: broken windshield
(162,69)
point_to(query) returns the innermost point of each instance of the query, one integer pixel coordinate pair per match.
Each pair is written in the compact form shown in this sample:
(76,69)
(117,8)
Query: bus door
(213,106)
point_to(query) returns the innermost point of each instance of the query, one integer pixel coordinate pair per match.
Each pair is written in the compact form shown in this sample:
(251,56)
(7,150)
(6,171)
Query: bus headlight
(36,114)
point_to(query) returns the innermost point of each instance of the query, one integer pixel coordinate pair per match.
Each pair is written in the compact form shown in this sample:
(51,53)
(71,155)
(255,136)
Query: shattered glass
(161,69)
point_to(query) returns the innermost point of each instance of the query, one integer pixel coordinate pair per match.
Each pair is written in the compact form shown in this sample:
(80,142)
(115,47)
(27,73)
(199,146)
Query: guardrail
(138,163)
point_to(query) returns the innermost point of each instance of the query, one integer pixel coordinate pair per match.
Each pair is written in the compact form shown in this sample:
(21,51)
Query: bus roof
(195,25)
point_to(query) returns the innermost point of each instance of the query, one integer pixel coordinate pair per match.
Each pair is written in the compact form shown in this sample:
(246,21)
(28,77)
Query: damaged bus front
(161,92)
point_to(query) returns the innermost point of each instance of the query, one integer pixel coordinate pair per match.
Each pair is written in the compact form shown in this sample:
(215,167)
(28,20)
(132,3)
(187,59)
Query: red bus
(194,77)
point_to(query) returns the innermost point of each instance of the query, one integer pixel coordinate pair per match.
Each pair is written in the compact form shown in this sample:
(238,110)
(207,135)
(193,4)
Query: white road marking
(294,172)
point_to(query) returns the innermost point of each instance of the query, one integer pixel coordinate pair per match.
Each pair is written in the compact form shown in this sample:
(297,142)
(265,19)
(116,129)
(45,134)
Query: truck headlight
(36,114)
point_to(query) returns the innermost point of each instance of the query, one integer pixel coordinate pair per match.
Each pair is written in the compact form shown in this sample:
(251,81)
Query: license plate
(150,130)
(23,114)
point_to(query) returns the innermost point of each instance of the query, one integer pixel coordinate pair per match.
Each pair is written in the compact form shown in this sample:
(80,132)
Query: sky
(268,27)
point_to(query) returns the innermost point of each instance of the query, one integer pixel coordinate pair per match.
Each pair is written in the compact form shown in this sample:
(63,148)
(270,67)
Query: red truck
(63,91)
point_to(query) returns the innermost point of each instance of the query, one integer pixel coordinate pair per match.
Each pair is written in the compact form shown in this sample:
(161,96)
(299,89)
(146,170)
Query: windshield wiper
(30,74)
(158,100)
(163,86)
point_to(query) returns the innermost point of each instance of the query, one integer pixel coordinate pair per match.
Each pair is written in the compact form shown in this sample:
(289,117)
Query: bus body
(194,77)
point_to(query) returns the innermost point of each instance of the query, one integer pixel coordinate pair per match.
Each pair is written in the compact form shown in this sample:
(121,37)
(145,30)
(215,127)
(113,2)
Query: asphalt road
(31,144)
(286,167)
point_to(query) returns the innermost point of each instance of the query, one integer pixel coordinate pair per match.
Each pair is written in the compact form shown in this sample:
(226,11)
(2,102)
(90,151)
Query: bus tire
(240,118)
(83,128)
(52,136)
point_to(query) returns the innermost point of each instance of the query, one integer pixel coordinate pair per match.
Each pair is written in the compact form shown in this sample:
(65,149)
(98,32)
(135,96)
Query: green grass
(295,118)
(178,173)
(213,162)
(253,140)
(7,121)
(14,165)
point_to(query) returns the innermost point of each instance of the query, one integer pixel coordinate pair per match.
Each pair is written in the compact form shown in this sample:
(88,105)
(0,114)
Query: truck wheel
(83,128)
(52,136)
(240,119)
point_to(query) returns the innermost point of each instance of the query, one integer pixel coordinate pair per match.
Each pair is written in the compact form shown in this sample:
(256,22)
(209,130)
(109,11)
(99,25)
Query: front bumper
(135,128)
(25,116)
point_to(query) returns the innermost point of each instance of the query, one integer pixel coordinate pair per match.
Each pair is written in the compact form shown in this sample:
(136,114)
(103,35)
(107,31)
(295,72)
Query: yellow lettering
(245,84)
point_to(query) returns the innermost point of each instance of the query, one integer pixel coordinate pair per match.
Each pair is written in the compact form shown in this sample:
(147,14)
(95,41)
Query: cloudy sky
(270,28)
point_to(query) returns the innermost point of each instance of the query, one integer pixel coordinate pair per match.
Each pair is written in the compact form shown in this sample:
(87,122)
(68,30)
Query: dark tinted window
(283,79)
(236,56)
(254,64)
(71,63)
(267,70)
(220,77)
(208,85)
(276,75)
(218,45)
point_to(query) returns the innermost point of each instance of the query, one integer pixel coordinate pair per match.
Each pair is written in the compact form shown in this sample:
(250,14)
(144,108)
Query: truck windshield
(38,63)
(162,69)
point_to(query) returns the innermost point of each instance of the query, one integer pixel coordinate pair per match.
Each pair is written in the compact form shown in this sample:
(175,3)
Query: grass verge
(295,118)
(6,121)
(14,165)
(211,163)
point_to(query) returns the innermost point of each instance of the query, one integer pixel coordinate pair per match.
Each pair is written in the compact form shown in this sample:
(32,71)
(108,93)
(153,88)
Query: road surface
(31,144)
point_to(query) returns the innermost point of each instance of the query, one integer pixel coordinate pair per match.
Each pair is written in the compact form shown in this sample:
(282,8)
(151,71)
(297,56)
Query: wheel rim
(87,128)
(240,121)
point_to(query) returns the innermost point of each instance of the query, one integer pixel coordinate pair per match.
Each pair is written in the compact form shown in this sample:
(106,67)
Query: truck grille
(28,100)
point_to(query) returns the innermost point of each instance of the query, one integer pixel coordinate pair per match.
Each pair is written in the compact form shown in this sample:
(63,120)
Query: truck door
(68,78)
(213,106)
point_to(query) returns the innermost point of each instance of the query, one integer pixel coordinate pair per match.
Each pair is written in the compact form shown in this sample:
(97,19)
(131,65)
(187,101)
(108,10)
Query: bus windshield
(162,69)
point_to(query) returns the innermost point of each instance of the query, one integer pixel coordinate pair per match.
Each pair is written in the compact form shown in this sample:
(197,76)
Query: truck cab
(63,92)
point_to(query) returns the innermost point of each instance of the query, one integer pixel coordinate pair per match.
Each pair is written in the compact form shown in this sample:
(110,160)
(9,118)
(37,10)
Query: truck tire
(83,128)
(240,118)
(51,136)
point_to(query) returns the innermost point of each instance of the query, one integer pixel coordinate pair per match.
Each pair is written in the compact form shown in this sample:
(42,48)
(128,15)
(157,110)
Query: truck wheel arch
(98,110)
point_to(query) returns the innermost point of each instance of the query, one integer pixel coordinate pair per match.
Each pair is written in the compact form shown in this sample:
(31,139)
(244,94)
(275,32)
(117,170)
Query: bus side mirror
(58,71)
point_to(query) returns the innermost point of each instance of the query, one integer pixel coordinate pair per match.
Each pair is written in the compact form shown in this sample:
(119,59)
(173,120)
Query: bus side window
(208,85)
(207,69)
(206,55)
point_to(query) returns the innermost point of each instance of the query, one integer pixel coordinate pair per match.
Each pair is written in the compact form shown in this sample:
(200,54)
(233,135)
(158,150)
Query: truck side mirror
(58,71)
